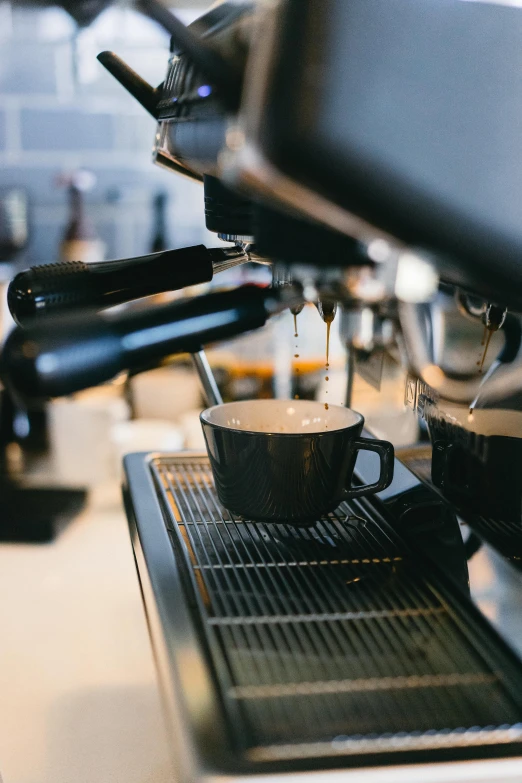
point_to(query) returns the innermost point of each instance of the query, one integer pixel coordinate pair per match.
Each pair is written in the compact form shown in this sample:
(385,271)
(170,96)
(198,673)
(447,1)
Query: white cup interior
(292,417)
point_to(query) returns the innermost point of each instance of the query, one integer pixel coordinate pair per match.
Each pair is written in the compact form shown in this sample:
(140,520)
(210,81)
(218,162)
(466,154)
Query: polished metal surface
(495,579)
(206,377)
(328,641)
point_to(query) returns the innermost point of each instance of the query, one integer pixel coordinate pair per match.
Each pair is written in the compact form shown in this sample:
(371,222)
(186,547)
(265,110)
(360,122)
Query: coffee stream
(486,339)
(328,318)
(296,355)
(485,342)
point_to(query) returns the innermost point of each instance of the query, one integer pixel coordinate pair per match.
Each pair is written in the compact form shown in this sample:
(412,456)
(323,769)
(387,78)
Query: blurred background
(79,698)
(61,111)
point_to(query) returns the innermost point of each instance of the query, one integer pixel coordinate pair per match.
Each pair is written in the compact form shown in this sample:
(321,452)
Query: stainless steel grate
(325,639)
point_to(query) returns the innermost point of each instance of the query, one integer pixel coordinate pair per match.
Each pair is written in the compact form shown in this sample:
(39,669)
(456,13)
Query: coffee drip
(295,312)
(486,339)
(327,310)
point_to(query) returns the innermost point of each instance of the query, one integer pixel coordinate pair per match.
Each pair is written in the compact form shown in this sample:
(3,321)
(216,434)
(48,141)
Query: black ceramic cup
(288,460)
(477,460)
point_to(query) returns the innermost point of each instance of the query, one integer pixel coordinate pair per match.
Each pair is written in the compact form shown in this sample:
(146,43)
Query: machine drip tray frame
(307,648)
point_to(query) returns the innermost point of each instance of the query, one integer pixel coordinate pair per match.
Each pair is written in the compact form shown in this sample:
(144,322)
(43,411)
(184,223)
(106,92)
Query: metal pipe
(505,381)
(350,372)
(206,376)
(416,343)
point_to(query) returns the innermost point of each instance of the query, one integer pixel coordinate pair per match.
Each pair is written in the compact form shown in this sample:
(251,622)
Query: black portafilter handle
(69,353)
(72,285)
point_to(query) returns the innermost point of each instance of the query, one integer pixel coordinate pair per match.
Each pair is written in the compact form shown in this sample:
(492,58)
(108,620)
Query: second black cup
(288,460)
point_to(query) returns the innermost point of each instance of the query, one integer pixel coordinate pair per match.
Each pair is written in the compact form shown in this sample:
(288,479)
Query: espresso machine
(367,151)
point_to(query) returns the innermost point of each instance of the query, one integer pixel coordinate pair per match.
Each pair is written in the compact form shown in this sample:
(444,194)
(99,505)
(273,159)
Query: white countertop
(79,699)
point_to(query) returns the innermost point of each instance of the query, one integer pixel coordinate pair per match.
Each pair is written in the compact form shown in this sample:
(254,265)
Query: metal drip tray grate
(326,640)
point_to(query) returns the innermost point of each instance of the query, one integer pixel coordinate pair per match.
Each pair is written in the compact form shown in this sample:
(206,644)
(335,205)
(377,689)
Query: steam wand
(206,377)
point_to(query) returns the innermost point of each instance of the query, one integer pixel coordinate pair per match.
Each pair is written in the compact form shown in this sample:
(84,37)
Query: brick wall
(60,110)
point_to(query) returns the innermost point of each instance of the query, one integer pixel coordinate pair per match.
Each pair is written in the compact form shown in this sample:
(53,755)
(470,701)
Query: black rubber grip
(53,288)
(69,353)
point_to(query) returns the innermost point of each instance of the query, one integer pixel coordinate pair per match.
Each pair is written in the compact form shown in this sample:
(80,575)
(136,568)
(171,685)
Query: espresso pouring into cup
(288,460)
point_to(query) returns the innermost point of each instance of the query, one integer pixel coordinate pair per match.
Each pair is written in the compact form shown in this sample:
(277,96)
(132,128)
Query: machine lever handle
(68,353)
(219,70)
(71,285)
(147,95)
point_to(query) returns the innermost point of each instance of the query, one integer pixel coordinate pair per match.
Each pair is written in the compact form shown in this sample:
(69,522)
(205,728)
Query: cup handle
(386,456)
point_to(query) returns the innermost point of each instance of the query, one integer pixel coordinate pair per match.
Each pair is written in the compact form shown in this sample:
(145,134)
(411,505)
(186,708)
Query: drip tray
(323,642)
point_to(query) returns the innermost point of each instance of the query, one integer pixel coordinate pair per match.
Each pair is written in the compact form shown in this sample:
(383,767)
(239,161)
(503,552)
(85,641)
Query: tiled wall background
(60,110)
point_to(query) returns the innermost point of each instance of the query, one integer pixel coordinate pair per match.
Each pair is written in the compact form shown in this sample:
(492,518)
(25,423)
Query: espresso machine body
(368,152)
(401,115)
